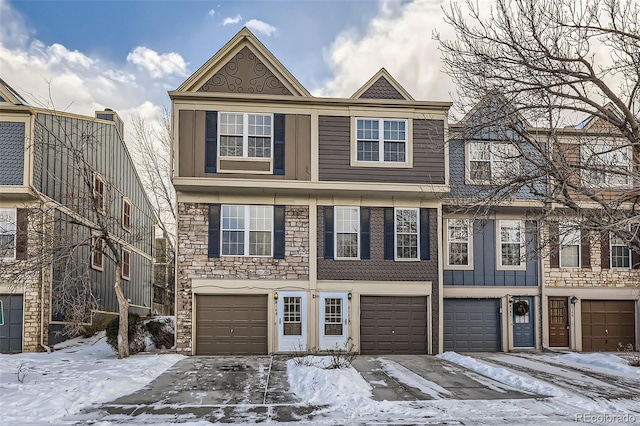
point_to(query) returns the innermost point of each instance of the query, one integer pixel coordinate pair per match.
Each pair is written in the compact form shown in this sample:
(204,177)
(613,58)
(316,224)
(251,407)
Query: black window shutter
(554,242)
(425,235)
(605,259)
(585,249)
(328,232)
(365,235)
(389,244)
(635,256)
(278,144)
(211,141)
(278,232)
(214,230)
(22,220)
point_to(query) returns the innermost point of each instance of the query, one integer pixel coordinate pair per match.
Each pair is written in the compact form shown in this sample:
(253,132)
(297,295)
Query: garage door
(605,323)
(231,325)
(471,325)
(393,325)
(11,331)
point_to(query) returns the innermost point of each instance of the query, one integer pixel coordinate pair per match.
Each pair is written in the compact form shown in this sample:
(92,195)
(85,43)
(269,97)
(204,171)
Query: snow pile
(503,376)
(607,361)
(84,373)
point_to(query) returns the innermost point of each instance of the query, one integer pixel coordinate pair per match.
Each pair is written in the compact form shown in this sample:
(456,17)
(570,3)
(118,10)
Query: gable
(381,89)
(245,73)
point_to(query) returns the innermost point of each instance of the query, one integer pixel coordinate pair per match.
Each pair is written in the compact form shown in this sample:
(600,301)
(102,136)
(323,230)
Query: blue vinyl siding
(485,258)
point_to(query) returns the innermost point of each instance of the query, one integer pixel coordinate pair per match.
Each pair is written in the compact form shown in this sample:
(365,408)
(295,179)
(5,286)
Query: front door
(558,322)
(334,318)
(523,323)
(292,321)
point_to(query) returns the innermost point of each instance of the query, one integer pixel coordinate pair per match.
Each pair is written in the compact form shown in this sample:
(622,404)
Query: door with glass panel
(334,320)
(292,321)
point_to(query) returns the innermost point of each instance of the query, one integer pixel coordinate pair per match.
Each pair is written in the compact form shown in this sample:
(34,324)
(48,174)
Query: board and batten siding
(335,154)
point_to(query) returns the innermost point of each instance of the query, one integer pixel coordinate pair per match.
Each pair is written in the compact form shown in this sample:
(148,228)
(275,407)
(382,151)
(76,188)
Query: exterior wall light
(349,296)
(275,295)
(573,300)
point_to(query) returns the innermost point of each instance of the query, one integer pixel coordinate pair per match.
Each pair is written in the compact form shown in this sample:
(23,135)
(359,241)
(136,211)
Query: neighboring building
(164,274)
(43,194)
(305,222)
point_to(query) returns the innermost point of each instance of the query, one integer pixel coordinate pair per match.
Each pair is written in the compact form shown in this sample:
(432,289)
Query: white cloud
(212,12)
(158,65)
(399,39)
(232,21)
(60,54)
(260,27)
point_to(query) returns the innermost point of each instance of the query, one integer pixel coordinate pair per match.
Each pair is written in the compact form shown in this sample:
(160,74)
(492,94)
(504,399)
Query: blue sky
(127,54)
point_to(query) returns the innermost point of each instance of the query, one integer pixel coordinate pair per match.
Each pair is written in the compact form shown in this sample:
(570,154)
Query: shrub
(161,333)
(632,356)
(98,324)
(136,333)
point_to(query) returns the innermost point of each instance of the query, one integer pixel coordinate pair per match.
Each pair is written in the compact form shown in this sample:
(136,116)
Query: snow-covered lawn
(84,373)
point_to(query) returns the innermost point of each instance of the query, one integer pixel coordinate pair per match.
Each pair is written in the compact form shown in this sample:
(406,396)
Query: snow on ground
(406,376)
(84,373)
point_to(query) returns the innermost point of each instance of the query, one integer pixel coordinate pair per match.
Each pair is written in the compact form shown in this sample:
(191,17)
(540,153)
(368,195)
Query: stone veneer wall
(194,263)
(595,276)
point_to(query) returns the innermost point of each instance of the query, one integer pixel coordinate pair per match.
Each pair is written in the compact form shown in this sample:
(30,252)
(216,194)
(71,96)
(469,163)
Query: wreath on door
(521,307)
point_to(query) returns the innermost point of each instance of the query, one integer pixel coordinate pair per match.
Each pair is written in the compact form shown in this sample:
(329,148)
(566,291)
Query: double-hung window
(245,135)
(126,213)
(511,243)
(97,256)
(8,219)
(247,230)
(459,242)
(619,252)
(407,231)
(491,161)
(381,140)
(347,230)
(605,165)
(126,264)
(569,245)
(99,193)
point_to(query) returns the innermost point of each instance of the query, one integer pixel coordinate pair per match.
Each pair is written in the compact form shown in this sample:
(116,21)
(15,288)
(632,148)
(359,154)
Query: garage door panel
(607,323)
(471,325)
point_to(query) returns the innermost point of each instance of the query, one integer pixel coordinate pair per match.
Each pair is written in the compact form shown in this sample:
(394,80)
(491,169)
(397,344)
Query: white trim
(335,233)
(126,277)
(624,268)
(562,236)
(103,206)
(470,226)
(94,241)
(339,341)
(246,230)
(294,343)
(395,235)
(495,177)
(523,236)
(14,221)
(380,163)
(245,135)
(126,200)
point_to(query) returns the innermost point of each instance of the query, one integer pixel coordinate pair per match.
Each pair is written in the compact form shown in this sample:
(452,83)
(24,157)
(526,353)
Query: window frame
(246,238)
(396,233)
(127,226)
(245,136)
(380,163)
(126,264)
(522,245)
(357,233)
(495,178)
(602,179)
(97,248)
(470,228)
(570,228)
(14,232)
(628,251)
(98,182)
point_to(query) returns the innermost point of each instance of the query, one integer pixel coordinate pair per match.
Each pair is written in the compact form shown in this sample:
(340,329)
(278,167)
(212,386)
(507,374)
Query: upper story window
(126,264)
(458,246)
(511,234)
(407,231)
(619,252)
(488,162)
(97,256)
(381,140)
(605,165)
(245,135)
(8,219)
(126,213)
(347,230)
(569,245)
(99,193)
(247,230)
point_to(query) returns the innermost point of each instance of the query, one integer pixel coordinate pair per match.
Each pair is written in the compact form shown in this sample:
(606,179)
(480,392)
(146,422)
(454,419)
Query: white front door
(292,321)
(334,318)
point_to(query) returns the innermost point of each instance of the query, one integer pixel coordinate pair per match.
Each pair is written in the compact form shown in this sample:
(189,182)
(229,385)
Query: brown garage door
(393,325)
(605,323)
(231,325)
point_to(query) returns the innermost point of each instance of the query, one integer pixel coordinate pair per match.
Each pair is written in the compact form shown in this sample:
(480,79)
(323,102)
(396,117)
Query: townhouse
(305,222)
(44,200)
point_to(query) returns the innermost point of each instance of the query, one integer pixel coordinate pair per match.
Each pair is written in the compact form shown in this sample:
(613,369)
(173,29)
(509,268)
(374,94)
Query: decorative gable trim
(213,71)
(382,86)
(9,95)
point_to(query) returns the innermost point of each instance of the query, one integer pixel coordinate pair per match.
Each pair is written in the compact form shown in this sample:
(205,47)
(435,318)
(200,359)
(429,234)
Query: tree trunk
(123,306)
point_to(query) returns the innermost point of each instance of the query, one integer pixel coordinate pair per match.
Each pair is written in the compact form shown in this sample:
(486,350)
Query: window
(511,242)
(569,245)
(292,316)
(347,229)
(98,193)
(406,224)
(605,165)
(97,256)
(245,135)
(126,214)
(381,140)
(126,264)
(247,230)
(333,316)
(490,161)
(8,218)
(459,242)
(619,252)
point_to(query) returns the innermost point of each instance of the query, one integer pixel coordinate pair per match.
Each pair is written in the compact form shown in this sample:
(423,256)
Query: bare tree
(550,64)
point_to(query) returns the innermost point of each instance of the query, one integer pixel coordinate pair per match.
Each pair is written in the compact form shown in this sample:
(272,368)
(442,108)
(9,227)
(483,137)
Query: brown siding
(260,166)
(186,142)
(335,160)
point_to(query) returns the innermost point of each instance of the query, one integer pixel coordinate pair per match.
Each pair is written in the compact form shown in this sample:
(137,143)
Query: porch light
(573,300)
(275,296)
(349,296)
